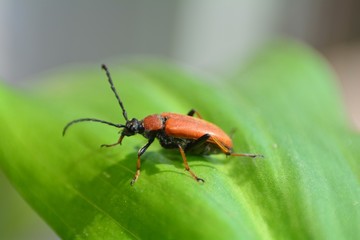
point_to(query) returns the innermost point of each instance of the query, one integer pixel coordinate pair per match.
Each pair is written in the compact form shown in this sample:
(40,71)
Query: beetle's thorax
(154,122)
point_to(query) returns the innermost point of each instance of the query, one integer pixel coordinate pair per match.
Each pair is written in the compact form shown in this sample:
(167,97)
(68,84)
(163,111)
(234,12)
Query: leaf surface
(284,104)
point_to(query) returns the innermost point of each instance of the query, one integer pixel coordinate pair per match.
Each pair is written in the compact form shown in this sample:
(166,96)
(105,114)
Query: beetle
(187,133)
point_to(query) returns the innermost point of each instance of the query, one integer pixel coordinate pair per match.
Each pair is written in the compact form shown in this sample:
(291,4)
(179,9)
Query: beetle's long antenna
(103,66)
(90,120)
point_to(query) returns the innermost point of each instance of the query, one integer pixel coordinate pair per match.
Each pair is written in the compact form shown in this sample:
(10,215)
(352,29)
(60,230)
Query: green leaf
(284,104)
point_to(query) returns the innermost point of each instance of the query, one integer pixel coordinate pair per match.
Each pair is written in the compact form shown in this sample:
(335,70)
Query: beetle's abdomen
(188,127)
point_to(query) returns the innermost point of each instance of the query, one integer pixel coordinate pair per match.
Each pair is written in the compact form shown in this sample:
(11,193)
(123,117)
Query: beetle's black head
(133,127)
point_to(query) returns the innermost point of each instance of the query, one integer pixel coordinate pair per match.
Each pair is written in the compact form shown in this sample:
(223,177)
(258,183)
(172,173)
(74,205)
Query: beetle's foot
(199,180)
(133,181)
(194,175)
(109,145)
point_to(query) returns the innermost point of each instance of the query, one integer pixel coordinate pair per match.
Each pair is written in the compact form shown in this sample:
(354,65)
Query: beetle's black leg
(138,163)
(197,143)
(192,112)
(187,168)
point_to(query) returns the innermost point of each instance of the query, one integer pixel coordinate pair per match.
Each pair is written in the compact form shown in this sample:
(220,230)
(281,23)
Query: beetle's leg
(230,153)
(138,163)
(187,168)
(114,144)
(198,142)
(252,155)
(192,112)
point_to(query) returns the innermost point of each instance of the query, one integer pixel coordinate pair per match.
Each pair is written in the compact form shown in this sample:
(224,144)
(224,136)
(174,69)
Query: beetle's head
(133,127)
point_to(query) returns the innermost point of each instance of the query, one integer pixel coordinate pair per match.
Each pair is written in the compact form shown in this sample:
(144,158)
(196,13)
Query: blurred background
(210,37)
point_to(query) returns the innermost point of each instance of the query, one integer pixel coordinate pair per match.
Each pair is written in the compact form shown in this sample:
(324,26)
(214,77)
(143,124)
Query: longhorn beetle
(184,132)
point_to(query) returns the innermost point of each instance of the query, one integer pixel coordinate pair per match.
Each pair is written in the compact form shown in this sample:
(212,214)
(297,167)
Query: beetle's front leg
(114,144)
(138,163)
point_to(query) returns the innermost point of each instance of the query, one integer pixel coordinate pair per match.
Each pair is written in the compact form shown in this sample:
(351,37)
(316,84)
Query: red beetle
(185,132)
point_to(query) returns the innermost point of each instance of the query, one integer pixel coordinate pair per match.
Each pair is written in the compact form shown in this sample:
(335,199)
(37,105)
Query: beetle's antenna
(103,66)
(90,120)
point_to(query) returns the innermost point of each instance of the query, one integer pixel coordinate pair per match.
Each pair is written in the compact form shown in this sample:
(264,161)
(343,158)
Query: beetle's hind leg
(229,152)
(192,112)
(187,168)
(197,143)
(252,155)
